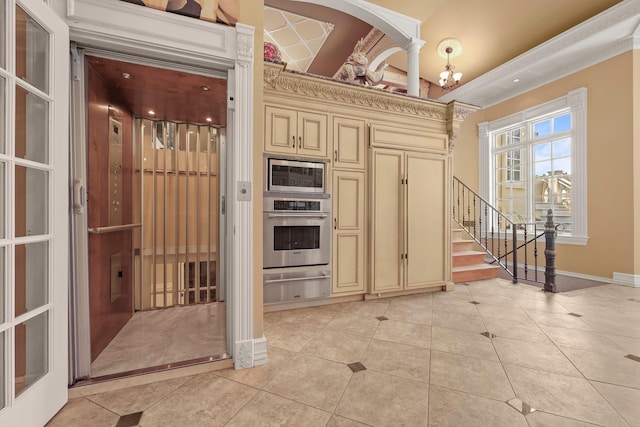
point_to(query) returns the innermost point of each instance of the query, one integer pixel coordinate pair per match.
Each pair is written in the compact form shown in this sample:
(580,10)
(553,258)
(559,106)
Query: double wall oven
(297,232)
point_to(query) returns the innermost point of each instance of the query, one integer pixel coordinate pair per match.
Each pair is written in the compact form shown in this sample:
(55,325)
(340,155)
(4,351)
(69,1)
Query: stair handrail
(466,203)
(469,199)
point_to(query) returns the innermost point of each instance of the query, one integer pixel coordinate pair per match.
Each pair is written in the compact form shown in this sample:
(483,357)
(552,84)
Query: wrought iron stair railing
(504,240)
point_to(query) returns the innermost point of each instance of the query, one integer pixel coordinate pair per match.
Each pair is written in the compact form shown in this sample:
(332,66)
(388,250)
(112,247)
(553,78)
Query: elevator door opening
(153,198)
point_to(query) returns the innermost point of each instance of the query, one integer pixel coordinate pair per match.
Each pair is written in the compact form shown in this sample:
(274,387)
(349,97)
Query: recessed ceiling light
(209,119)
(205,88)
(516,80)
(152,112)
(127,76)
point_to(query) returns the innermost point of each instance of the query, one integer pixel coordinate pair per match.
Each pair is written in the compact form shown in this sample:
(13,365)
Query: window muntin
(533,172)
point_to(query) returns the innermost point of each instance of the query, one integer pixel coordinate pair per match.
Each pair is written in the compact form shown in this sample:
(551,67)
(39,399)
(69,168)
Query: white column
(240,200)
(413,66)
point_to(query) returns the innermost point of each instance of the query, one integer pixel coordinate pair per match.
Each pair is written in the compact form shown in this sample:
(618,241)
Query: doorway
(155,280)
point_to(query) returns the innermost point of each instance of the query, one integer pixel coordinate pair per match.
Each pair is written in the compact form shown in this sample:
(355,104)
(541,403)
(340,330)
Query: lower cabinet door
(348,232)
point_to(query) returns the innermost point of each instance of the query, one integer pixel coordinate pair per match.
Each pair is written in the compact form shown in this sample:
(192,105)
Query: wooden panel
(348,143)
(425,219)
(389,136)
(348,238)
(172,95)
(386,206)
(107,317)
(312,134)
(280,130)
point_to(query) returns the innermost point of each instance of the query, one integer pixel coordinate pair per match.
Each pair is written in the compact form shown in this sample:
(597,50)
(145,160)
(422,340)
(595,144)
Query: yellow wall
(252,13)
(636,158)
(613,217)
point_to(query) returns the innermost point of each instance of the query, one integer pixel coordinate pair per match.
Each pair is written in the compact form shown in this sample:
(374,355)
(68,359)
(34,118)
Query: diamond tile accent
(357,367)
(474,302)
(633,357)
(381,318)
(129,420)
(520,406)
(488,334)
(575,314)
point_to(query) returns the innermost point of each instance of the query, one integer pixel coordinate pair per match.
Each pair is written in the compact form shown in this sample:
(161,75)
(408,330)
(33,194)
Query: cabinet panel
(312,134)
(425,219)
(386,210)
(280,130)
(391,136)
(348,234)
(348,143)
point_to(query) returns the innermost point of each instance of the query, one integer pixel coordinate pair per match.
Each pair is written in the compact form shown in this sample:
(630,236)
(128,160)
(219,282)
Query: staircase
(468,264)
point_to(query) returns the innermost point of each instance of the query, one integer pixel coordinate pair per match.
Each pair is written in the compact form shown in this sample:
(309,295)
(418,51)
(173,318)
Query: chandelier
(451,48)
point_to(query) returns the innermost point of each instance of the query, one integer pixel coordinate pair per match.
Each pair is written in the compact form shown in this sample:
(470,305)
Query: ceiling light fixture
(516,80)
(153,113)
(208,119)
(449,48)
(205,88)
(126,76)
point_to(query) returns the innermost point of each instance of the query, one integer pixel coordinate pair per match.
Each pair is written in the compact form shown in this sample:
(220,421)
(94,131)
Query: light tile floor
(159,337)
(479,356)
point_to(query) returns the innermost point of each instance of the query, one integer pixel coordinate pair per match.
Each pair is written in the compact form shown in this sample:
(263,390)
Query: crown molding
(604,36)
(277,79)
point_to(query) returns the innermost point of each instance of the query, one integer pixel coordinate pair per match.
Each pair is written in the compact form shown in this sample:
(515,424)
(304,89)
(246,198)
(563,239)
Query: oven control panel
(296,205)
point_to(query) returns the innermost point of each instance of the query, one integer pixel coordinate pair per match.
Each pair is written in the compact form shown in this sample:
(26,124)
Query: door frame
(191,45)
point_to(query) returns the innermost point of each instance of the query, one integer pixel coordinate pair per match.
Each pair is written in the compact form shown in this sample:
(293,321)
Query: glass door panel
(34,212)
(32,126)
(32,51)
(31,277)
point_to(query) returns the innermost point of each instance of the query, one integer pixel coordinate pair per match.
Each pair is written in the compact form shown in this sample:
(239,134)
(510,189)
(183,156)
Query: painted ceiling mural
(221,11)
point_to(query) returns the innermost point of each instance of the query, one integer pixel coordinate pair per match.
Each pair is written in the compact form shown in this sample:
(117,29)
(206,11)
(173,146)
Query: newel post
(550,254)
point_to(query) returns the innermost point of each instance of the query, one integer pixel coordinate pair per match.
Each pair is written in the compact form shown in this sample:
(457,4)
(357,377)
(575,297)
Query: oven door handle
(295,279)
(300,215)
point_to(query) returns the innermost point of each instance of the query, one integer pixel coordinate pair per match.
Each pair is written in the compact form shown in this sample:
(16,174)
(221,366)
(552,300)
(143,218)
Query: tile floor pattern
(518,358)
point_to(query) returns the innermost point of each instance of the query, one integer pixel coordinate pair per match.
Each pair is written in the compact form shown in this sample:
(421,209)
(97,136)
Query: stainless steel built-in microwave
(295,176)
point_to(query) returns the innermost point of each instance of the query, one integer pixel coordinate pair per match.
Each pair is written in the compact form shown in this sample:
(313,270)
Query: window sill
(572,240)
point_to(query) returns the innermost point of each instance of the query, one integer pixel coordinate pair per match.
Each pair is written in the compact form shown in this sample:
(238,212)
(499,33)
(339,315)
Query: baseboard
(260,351)
(632,280)
(579,275)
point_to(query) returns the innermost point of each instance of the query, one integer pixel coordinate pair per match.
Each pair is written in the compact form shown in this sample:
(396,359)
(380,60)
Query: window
(535,160)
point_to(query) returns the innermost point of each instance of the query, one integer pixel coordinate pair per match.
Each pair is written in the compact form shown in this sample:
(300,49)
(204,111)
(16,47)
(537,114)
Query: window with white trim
(535,160)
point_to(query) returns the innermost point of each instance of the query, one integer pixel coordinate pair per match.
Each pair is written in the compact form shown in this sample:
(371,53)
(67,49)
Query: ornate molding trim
(276,79)
(244,45)
(244,354)
(596,40)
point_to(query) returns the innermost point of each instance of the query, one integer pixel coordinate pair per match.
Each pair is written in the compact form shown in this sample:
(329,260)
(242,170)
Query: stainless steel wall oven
(297,231)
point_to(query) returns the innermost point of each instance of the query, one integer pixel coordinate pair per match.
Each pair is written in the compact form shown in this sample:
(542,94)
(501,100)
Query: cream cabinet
(349,143)
(295,132)
(408,229)
(348,232)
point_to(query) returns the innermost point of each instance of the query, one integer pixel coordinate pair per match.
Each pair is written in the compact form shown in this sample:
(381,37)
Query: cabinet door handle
(299,142)
(335,223)
(335,156)
(294,142)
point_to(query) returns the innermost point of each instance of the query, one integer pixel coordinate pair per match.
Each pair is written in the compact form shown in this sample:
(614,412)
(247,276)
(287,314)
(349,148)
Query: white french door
(34,212)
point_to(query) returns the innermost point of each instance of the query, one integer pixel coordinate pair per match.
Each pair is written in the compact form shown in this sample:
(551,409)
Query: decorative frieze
(277,79)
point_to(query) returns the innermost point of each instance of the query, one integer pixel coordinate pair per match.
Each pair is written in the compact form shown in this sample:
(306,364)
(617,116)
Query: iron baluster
(514,229)
(474,215)
(526,269)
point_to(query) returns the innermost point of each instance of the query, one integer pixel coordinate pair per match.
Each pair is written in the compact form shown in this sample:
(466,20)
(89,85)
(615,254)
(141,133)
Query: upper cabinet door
(280,130)
(34,216)
(348,143)
(295,132)
(312,134)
